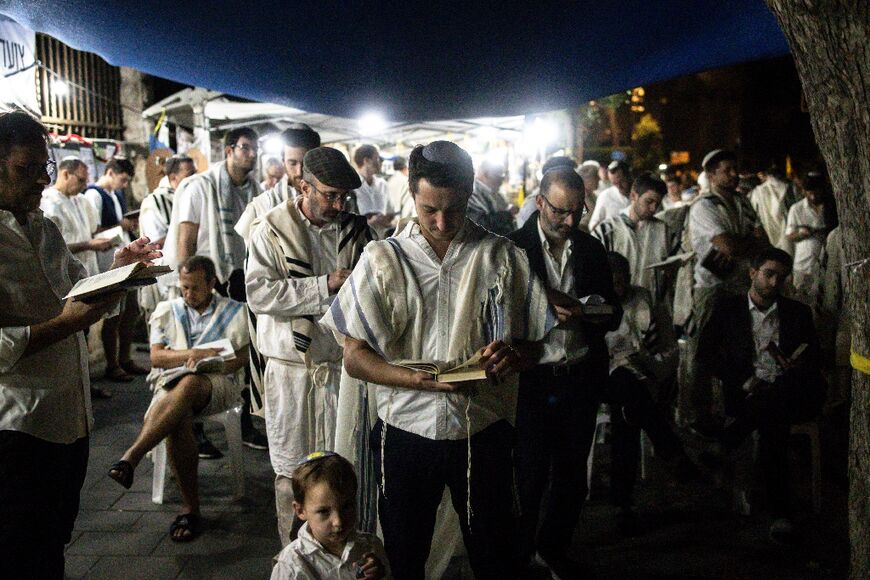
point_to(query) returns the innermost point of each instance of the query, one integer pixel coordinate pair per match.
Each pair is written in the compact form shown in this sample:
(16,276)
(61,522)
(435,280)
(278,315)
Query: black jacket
(591,276)
(728,347)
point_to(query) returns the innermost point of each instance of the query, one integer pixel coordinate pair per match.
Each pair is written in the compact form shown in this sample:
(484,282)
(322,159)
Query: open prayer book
(675,260)
(591,305)
(468,371)
(212,364)
(115,234)
(93,288)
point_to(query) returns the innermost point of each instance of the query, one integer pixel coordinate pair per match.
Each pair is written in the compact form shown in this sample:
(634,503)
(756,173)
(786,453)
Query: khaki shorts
(225,393)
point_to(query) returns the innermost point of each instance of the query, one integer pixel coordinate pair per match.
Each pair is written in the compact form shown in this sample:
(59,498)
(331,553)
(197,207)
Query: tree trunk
(830,42)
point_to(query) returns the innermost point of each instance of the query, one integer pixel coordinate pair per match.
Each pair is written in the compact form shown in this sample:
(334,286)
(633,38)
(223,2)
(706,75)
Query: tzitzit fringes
(468,471)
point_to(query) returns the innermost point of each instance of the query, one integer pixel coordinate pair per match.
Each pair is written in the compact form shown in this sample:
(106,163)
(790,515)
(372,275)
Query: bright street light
(372,124)
(273,146)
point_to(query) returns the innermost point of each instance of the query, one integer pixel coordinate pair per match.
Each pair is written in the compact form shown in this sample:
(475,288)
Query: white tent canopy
(203,109)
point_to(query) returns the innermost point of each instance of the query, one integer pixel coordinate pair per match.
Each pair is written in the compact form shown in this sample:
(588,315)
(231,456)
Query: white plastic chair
(231,420)
(601,421)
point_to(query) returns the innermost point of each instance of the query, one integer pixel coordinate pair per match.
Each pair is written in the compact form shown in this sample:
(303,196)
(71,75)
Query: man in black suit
(558,398)
(752,344)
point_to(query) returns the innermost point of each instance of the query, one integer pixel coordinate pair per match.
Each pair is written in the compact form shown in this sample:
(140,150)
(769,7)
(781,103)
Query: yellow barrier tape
(859,362)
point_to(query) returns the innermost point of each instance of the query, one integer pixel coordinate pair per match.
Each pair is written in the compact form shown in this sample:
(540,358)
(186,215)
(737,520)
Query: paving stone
(115,543)
(138,501)
(100,500)
(106,521)
(133,568)
(228,566)
(215,543)
(78,566)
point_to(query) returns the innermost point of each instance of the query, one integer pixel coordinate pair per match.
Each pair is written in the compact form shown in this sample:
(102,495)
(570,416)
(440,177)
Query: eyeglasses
(561,212)
(34,170)
(332,197)
(246,148)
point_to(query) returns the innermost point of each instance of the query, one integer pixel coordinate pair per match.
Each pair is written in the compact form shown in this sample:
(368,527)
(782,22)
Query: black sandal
(122,472)
(184,522)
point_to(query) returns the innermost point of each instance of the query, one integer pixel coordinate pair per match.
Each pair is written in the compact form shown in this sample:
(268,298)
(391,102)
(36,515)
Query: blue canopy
(412,60)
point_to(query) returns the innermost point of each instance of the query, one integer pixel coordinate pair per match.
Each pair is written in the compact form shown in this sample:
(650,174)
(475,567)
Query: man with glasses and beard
(300,255)
(559,398)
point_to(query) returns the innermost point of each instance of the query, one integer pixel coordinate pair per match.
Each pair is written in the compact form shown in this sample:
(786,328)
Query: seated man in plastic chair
(181,330)
(764,348)
(640,365)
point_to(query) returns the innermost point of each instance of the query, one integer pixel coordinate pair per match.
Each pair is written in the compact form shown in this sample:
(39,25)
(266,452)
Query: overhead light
(273,146)
(59,88)
(372,124)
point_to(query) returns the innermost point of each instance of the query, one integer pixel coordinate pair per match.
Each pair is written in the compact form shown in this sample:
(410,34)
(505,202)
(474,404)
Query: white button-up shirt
(45,394)
(306,558)
(198,323)
(77,221)
(560,276)
(765,329)
(374,198)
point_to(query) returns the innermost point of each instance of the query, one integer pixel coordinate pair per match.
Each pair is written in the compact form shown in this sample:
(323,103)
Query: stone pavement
(691,533)
(121,534)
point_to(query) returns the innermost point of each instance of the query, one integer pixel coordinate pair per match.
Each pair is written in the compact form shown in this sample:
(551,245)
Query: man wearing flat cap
(444,290)
(300,254)
(724,232)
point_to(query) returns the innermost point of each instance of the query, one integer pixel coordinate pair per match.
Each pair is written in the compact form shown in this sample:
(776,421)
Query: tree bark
(830,42)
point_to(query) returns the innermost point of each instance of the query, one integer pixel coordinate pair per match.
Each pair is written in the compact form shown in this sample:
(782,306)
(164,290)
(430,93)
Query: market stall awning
(412,61)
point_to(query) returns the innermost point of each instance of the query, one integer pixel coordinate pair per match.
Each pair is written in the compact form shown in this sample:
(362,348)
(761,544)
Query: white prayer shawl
(498,299)
(160,203)
(228,321)
(216,212)
(381,304)
(263,204)
(768,201)
(641,244)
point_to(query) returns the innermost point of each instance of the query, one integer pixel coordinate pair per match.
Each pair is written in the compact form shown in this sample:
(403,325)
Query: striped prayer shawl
(160,201)
(228,321)
(288,233)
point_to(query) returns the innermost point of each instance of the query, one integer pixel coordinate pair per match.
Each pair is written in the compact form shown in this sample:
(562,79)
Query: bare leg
(191,394)
(182,448)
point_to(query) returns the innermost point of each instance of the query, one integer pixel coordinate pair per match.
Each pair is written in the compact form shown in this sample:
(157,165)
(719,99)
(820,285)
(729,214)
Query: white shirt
(374,198)
(306,559)
(400,196)
(767,201)
(608,204)
(93,196)
(46,394)
(806,251)
(155,212)
(765,329)
(711,216)
(440,415)
(276,299)
(560,276)
(643,243)
(191,205)
(198,323)
(262,204)
(77,221)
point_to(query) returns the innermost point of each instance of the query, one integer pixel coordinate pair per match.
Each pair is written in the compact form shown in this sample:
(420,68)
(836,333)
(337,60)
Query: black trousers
(632,409)
(555,425)
(417,469)
(796,397)
(40,483)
